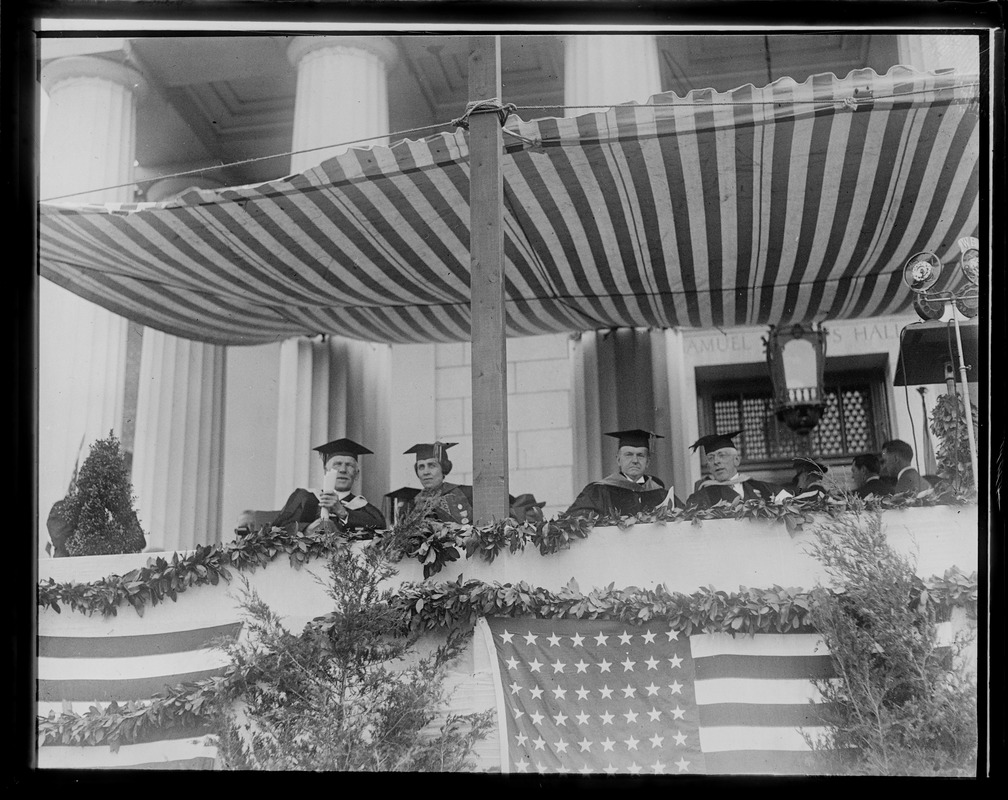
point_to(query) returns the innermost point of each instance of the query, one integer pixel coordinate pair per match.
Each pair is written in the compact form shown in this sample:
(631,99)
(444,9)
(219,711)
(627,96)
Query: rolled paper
(328,485)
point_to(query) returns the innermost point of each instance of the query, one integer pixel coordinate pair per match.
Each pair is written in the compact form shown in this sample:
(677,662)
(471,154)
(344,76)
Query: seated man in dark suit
(897,457)
(725,481)
(865,471)
(628,490)
(339,505)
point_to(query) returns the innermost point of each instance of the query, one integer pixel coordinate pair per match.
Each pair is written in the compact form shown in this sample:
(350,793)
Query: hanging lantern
(796,356)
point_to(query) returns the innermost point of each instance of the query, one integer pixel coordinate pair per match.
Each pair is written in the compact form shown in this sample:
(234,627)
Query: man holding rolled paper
(334,504)
(629,490)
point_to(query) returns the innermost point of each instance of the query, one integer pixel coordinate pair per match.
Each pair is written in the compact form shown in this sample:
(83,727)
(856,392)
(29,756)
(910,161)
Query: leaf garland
(455,605)
(431,542)
(206,564)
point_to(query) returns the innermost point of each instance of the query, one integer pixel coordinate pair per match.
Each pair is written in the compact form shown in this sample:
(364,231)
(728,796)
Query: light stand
(969,406)
(920,274)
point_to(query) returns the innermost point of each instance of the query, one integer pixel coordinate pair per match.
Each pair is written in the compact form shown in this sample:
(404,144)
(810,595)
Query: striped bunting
(79,668)
(745,701)
(594,696)
(785,203)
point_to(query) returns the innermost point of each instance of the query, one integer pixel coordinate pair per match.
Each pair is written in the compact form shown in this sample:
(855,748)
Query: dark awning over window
(790,202)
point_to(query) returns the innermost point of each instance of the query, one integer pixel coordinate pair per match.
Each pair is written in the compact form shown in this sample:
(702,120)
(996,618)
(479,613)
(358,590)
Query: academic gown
(874,485)
(812,488)
(711,493)
(617,496)
(303,507)
(450,502)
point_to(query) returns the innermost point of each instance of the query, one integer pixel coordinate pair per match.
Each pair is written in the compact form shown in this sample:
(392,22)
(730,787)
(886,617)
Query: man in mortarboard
(725,481)
(808,477)
(629,490)
(344,508)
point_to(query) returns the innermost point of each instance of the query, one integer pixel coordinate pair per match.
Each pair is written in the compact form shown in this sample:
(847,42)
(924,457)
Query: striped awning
(787,203)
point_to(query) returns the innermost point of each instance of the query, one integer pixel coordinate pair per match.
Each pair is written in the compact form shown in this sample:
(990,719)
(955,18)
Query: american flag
(602,696)
(81,666)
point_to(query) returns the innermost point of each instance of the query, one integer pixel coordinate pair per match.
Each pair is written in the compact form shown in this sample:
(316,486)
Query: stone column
(342,93)
(682,404)
(586,421)
(933,51)
(90,142)
(177,461)
(338,387)
(599,68)
(608,69)
(179,434)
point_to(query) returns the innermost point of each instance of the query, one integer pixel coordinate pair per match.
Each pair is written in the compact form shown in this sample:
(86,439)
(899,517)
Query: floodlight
(922,271)
(928,307)
(968,301)
(970,259)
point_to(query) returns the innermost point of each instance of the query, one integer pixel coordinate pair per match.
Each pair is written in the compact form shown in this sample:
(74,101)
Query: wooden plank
(489,347)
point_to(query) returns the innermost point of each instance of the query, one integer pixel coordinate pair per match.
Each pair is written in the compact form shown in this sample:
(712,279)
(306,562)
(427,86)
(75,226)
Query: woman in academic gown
(439,499)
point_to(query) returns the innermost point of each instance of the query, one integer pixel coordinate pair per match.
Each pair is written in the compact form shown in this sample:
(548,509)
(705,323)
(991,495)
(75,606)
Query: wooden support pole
(486,247)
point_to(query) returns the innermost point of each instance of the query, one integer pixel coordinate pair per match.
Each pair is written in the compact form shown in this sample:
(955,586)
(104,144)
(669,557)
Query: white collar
(900,473)
(641,479)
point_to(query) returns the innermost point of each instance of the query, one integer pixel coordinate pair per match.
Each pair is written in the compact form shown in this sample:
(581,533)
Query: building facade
(214,430)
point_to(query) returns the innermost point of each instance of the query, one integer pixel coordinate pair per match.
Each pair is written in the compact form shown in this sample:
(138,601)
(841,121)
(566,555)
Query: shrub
(348,693)
(901,703)
(948,424)
(97,515)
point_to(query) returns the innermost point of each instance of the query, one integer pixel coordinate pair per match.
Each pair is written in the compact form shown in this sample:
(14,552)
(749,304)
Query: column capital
(381,46)
(61,69)
(602,38)
(168,188)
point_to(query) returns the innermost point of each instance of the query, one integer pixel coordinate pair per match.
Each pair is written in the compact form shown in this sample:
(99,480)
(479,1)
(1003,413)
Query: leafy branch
(432,543)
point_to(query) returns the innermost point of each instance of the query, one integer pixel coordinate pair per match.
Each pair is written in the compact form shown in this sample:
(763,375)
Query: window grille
(847,426)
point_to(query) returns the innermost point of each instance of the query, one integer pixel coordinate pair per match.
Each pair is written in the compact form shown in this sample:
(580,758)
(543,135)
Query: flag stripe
(138,645)
(152,735)
(120,689)
(764,762)
(743,737)
(772,644)
(144,734)
(718,714)
(129,667)
(756,690)
(734,666)
(193,753)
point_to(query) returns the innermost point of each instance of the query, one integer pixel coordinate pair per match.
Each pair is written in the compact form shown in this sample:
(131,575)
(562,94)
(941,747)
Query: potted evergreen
(97,516)
(948,424)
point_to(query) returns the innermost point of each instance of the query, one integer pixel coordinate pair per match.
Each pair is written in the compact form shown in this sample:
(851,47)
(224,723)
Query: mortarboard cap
(715,441)
(426,450)
(340,447)
(635,437)
(405,493)
(803,464)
